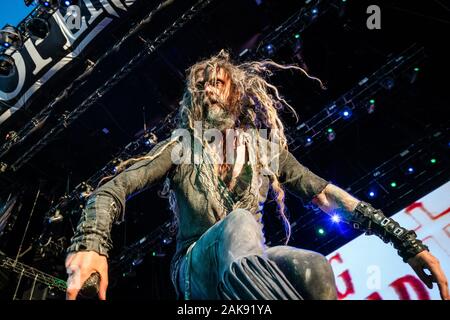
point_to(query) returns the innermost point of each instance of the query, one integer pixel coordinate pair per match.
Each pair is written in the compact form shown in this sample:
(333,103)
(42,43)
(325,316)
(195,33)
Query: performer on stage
(217,184)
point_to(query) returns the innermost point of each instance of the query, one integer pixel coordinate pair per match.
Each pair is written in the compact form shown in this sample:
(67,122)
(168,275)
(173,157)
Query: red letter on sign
(345,277)
(399,286)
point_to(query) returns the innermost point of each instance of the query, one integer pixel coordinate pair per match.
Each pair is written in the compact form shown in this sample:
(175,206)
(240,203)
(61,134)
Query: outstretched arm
(334,200)
(91,242)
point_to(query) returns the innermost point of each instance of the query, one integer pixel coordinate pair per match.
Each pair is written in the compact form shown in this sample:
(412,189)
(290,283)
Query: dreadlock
(253,101)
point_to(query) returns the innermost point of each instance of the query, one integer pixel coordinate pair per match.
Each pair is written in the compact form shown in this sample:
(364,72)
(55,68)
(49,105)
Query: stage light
(331,135)
(410,170)
(11,37)
(38,28)
(137,261)
(388,83)
(49,3)
(314,11)
(433,161)
(336,218)
(308,141)
(321,231)
(346,112)
(371,106)
(372,194)
(393,184)
(7,66)
(416,69)
(297,36)
(269,49)
(68,3)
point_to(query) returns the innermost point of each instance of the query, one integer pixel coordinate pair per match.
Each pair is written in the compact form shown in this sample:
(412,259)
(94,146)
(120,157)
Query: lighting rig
(359,100)
(150,47)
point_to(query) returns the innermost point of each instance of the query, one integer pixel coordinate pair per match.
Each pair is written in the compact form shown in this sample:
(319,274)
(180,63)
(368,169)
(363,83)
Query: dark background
(337,47)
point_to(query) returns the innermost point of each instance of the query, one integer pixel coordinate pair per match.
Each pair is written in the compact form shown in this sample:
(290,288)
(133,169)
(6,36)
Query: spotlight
(38,28)
(308,141)
(412,74)
(371,106)
(68,3)
(372,194)
(314,11)
(331,135)
(7,66)
(321,231)
(388,83)
(336,218)
(51,4)
(269,49)
(137,261)
(410,170)
(346,112)
(10,37)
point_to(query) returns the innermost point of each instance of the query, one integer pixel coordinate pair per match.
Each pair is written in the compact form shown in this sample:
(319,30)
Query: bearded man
(218,197)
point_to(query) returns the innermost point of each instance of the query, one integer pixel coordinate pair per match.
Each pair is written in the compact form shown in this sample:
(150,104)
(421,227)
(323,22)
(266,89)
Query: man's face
(216,85)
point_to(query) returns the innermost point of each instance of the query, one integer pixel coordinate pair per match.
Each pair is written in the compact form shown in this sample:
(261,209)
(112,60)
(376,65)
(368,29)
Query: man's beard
(217,116)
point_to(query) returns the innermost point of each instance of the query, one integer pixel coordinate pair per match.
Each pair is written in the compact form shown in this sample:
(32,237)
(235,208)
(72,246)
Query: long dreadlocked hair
(253,101)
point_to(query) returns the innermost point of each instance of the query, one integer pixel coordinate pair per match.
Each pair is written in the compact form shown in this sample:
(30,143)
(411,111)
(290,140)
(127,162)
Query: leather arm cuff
(373,221)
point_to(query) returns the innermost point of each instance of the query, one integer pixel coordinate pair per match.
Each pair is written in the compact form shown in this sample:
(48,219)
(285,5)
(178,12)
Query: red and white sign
(368,268)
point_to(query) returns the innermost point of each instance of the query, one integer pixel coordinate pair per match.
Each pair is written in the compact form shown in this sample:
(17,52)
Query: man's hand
(425,260)
(80,266)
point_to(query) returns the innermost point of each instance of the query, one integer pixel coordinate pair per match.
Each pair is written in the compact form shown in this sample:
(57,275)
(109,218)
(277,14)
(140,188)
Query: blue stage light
(336,218)
(346,112)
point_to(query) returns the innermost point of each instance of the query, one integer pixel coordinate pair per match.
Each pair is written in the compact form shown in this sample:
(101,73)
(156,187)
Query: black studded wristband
(373,221)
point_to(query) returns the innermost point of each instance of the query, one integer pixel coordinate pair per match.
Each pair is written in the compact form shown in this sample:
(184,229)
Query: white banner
(368,268)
